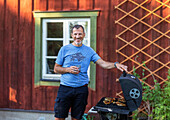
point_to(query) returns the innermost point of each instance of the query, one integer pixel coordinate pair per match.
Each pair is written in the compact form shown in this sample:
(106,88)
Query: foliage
(156,100)
(88,117)
(162,109)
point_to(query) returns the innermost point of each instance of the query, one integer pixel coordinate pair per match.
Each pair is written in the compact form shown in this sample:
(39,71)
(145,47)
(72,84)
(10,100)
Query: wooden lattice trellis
(128,15)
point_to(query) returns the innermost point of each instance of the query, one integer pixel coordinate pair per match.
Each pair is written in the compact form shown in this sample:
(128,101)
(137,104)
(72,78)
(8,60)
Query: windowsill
(50,80)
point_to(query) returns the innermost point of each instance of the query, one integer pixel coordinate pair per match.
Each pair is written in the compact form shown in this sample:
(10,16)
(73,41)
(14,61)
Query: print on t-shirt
(77,56)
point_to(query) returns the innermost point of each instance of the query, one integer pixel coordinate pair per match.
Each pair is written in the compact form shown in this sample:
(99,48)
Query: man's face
(78,36)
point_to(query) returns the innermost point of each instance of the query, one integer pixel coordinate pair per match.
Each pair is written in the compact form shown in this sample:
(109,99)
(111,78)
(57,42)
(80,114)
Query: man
(72,62)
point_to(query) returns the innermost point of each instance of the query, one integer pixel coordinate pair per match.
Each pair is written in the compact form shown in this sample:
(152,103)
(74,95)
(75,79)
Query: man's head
(77,27)
(78,35)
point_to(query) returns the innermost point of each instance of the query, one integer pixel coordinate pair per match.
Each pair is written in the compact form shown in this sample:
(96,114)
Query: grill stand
(100,115)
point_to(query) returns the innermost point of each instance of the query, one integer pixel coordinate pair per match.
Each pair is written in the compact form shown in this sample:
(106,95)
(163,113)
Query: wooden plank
(10,39)
(33,61)
(2,52)
(118,43)
(50,98)
(148,35)
(40,5)
(104,44)
(40,98)
(138,28)
(111,48)
(54,5)
(38,95)
(25,53)
(70,5)
(85,4)
(155,50)
(117,31)
(6,56)
(102,32)
(151,37)
(99,70)
(13,95)
(164,41)
(21,67)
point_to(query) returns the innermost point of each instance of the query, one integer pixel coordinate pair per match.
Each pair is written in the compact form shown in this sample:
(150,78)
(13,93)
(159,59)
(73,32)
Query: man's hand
(61,70)
(73,70)
(121,67)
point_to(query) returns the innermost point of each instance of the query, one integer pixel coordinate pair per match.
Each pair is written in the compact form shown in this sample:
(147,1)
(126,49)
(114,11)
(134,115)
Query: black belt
(85,85)
(74,87)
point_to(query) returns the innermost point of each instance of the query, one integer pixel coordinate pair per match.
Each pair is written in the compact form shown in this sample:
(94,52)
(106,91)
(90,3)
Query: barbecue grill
(121,108)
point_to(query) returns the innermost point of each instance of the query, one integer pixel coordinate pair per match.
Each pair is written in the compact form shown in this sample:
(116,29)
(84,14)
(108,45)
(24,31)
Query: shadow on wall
(16,51)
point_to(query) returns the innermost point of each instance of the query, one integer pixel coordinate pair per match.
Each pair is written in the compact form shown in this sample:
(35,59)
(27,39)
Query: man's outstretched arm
(110,65)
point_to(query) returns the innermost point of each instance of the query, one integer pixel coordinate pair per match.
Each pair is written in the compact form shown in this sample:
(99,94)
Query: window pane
(53,47)
(50,66)
(55,30)
(84,24)
(71,41)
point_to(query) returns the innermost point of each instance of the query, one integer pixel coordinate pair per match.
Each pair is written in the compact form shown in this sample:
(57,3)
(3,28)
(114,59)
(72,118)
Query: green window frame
(39,16)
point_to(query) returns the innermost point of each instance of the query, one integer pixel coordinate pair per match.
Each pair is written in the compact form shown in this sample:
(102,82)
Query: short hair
(77,27)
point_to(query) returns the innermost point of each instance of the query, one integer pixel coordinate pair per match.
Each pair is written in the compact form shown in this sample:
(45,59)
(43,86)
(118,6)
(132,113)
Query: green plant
(156,99)
(87,117)
(162,109)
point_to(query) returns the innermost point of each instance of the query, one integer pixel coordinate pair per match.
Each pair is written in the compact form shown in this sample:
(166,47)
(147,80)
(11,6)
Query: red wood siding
(17,49)
(2,88)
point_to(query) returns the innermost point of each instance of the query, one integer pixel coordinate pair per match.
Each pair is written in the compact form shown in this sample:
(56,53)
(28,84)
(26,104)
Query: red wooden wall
(17,51)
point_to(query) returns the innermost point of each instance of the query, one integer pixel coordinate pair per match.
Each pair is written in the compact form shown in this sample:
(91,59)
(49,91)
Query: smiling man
(72,62)
(78,36)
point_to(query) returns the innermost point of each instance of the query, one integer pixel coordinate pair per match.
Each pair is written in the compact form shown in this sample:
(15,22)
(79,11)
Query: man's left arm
(110,65)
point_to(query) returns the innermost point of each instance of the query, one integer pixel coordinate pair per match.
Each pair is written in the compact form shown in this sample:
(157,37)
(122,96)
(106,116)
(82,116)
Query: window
(52,30)
(57,33)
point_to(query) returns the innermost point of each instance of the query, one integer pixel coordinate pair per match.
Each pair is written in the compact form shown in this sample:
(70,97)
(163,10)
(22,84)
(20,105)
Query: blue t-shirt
(71,55)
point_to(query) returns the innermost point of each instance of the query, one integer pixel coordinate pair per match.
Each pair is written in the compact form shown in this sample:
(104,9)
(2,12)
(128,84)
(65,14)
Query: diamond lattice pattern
(143,34)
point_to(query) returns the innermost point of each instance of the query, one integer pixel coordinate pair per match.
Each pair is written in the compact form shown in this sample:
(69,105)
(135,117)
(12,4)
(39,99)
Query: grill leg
(102,116)
(113,116)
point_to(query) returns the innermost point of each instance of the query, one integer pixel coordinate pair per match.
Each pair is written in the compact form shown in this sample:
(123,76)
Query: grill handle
(124,73)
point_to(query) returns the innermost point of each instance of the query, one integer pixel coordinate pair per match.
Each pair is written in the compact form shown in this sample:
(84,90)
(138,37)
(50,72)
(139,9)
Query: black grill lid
(132,90)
